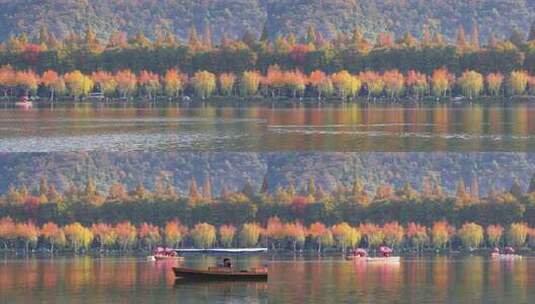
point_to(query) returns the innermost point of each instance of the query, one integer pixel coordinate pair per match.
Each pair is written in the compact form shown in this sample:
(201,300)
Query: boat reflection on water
(222,291)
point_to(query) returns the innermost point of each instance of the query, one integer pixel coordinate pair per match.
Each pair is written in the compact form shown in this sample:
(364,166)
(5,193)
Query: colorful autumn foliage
(391,84)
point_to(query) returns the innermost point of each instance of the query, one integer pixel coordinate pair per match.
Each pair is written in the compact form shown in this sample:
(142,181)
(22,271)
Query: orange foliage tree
(274,231)
(317,231)
(126,234)
(296,234)
(126,82)
(174,233)
(149,234)
(105,81)
(174,82)
(417,235)
(54,235)
(105,235)
(28,233)
(149,82)
(226,235)
(394,234)
(494,235)
(441,233)
(78,236)
(226,83)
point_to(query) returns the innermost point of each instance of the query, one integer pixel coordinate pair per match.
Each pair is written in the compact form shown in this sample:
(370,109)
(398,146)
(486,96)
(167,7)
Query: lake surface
(350,127)
(470,279)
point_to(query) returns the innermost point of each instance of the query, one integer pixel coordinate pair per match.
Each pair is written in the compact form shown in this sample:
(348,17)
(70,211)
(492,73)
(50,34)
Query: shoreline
(239,102)
(279,254)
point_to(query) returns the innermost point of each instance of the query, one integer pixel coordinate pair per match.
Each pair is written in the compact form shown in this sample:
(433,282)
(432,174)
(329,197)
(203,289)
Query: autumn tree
(250,234)
(317,80)
(494,235)
(78,84)
(374,83)
(471,235)
(471,83)
(78,236)
(7,231)
(204,84)
(518,81)
(417,235)
(149,82)
(28,233)
(27,80)
(274,231)
(149,234)
(126,234)
(226,235)
(174,233)
(441,81)
(7,79)
(440,234)
(494,83)
(50,80)
(394,234)
(174,82)
(296,82)
(54,235)
(517,234)
(226,83)
(249,83)
(346,84)
(373,234)
(105,235)
(203,235)
(394,83)
(126,82)
(296,234)
(417,83)
(345,235)
(317,231)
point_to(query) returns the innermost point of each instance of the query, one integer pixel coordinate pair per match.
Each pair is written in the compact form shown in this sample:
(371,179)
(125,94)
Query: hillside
(280,16)
(234,169)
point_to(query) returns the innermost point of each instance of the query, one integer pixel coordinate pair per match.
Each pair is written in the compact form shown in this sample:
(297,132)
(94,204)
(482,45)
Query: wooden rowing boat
(221,273)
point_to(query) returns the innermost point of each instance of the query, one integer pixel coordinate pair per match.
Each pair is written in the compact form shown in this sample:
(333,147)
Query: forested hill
(233,170)
(233,17)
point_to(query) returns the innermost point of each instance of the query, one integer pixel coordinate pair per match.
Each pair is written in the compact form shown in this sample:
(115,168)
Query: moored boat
(358,254)
(509,254)
(221,273)
(24,102)
(385,256)
(165,254)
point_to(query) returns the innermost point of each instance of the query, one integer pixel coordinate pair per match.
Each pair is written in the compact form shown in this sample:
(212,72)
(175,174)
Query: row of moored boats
(227,271)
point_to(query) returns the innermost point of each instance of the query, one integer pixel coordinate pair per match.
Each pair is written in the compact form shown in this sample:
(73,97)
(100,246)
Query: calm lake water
(329,280)
(350,127)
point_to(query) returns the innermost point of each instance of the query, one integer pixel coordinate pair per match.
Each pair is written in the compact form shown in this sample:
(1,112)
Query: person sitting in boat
(360,253)
(509,250)
(385,251)
(227,263)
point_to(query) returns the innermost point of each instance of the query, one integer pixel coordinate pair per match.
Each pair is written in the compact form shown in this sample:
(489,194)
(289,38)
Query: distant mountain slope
(233,169)
(280,16)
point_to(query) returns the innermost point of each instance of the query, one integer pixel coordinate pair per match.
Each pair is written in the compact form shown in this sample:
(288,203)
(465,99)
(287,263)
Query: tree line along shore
(390,85)
(308,218)
(347,66)
(278,236)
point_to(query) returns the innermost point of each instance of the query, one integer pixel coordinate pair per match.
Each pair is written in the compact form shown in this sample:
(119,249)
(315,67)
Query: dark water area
(465,279)
(349,127)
